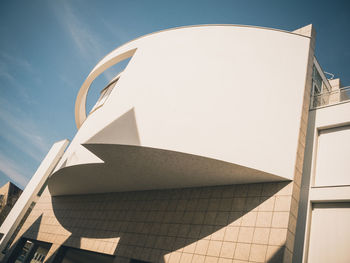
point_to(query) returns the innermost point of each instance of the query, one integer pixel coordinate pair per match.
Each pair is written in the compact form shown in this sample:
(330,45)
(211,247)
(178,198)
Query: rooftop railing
(330,97)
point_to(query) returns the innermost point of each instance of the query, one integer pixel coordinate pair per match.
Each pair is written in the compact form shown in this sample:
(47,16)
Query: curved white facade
(228,93)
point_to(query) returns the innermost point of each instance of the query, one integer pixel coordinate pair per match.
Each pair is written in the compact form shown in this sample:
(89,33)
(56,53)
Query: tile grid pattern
(288,255)
(238,223)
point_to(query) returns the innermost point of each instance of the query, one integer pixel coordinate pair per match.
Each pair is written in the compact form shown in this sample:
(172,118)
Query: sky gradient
(47,49)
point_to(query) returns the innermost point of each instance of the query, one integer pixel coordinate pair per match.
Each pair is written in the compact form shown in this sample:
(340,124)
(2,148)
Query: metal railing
(330,97)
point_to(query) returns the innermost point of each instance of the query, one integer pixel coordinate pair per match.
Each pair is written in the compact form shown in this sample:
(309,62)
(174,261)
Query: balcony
(329,98)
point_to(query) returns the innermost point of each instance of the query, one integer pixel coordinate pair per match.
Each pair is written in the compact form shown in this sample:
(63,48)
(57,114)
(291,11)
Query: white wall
(332,163)
(330,233)
(225,92)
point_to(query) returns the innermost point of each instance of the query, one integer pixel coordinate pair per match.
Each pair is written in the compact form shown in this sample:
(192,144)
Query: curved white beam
(80,103)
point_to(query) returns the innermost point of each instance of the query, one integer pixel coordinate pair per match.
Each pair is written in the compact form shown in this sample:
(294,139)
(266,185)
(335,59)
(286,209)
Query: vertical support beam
(293,251)
(31,191)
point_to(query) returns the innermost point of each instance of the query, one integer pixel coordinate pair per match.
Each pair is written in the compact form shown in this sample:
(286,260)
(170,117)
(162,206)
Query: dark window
(74,255)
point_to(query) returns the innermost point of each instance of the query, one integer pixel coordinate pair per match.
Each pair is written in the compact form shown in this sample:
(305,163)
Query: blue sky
(47,48)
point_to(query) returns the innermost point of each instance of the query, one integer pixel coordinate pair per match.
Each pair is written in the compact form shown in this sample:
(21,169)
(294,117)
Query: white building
(217,143)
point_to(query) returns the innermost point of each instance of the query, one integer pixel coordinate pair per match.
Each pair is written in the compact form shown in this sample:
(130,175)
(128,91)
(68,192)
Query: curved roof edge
(202,25)
(80,103)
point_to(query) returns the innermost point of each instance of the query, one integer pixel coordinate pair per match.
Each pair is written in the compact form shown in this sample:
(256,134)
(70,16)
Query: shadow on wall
(149,225)
(16,247)
(299,242)
(127,166)
(121,131)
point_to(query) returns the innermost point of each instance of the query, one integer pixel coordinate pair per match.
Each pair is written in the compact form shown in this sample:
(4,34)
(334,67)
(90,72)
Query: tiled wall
(298,171)
(238,223)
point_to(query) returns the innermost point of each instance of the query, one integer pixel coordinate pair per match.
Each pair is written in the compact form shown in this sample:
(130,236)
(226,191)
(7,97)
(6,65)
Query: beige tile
(235,218)
(278,236)
(214,205)
(290,241)
(175,257)
(210,218)
(198,217)
(264,219)
(252,203)
(214,248)
(274,252)
(198,258)
(224,260)
(219,234)
(280,219)
(241,190)
(206,231)
(231,234)
(227,249)
(267,203)
(292,224)
(202,246)
(222,218)
(179,244)
(294,208)
(191,247)
(245,234)
(261,235)
(296,192)
(257,253)
(254,189)
(238,204)
(186,258)
(249,219)
(288,256)
(242,251)
(286,190)
(194,231)
(283,203)
(209,259)
(226,204)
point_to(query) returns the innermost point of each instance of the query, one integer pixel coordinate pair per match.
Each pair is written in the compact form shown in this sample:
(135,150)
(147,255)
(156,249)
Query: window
(104,95)
(316,81)
(32,251)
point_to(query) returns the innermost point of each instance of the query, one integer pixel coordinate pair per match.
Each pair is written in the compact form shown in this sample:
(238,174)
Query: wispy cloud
(17,62)
(11,170)
(87,41)
(21,131)
(9,66)
(18,131)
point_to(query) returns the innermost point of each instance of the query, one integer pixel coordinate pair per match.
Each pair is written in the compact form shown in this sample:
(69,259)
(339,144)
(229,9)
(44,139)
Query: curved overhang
(135,168)
(196,106)
(126,51)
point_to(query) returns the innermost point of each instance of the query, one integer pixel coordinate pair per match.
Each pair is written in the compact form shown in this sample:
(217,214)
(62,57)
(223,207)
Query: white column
(31,191)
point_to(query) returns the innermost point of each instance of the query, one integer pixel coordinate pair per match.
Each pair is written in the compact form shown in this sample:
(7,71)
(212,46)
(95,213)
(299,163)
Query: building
(217,143)
(9,193)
